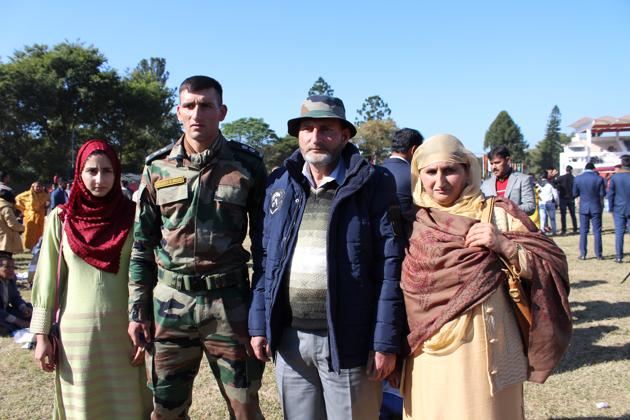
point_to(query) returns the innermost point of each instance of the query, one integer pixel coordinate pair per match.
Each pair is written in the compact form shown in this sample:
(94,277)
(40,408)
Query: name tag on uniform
(169,182)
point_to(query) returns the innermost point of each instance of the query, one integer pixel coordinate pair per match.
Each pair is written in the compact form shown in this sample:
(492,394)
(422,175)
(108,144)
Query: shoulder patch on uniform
(159,153)
(237,145)
(168,182)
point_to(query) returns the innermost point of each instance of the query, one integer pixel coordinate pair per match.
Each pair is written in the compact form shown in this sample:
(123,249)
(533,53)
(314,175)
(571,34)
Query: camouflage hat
(321,106)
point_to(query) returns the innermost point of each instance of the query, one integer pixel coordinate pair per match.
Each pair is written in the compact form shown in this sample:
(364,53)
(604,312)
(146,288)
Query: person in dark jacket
(328,305)
(591,188)
(404,143)
(565,191)
(619,204)
(15,313)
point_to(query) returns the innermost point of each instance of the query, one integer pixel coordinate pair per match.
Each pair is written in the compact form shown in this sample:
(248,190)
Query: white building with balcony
(600,140)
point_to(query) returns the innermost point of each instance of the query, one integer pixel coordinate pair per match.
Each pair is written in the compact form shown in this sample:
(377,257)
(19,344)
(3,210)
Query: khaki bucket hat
(320,106)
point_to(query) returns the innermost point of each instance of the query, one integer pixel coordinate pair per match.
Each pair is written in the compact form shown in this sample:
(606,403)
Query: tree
(277,150)
(56,98)
(154,68)
(504,130)
(546,154)
(373,108)
(321,87)
(253,131)
(146,121)
(551,146)
(374,138)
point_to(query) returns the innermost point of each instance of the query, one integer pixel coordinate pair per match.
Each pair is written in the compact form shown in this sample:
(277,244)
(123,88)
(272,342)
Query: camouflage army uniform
(189,274)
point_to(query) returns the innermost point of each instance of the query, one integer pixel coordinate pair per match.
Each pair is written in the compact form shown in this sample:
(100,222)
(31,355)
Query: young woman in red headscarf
(99,374)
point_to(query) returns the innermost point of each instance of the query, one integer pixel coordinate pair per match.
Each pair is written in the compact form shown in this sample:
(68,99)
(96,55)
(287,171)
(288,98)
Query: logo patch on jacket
(277,197)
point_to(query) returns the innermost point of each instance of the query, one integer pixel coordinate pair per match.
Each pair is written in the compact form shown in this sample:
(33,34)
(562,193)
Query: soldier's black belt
(204,282)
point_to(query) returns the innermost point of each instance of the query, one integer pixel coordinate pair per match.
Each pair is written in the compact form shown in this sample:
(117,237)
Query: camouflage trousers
(188,324)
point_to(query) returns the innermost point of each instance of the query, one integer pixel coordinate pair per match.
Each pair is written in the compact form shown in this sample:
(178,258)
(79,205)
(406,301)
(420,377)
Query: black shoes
(618,260)
(600,258)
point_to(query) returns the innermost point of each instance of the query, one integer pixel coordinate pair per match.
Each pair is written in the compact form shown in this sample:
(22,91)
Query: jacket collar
(508,188)
(338,174)
(510,184)
(399,159)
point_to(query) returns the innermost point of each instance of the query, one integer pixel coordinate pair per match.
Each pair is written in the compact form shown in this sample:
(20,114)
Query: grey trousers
(310,391)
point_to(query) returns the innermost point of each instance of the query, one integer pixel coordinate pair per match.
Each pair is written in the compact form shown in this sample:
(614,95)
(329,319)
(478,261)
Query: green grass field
(595,369)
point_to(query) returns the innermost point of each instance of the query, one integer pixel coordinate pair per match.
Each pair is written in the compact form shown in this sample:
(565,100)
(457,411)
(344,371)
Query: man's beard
(320,160)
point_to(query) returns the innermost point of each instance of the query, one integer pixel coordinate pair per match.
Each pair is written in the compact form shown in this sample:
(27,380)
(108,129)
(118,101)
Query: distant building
(599,140)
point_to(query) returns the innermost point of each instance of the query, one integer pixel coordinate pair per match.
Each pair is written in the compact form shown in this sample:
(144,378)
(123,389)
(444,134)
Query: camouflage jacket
(192,215)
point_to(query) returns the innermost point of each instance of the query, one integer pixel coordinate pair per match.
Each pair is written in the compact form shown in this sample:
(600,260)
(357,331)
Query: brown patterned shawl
(441,279)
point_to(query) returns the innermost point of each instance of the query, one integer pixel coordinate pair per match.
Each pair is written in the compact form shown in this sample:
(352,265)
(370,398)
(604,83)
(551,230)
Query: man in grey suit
(619,204)
(505,182)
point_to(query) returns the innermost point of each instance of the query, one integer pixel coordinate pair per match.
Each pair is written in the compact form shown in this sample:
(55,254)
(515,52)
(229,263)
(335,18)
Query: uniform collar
(199,160)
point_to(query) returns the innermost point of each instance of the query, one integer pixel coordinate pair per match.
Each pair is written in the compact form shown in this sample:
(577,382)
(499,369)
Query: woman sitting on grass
(99,374)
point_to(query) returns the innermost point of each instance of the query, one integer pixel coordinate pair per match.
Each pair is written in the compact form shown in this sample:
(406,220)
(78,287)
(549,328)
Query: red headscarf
(97,227)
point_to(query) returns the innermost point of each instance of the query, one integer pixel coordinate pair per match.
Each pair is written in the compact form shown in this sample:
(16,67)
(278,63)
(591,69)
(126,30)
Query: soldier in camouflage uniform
(188,287)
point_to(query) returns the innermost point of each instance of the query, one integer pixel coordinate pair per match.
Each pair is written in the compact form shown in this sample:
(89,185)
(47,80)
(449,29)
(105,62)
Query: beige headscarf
(447,148)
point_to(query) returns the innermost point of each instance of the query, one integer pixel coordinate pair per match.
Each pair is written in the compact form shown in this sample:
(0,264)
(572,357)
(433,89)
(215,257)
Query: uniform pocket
(172,194)
(174,204)
(231,194)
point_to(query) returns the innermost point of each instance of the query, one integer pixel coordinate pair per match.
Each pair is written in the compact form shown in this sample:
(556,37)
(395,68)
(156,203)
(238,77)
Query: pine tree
(321,87)
(504,130)
(546,154)
(373,108)
(551,146)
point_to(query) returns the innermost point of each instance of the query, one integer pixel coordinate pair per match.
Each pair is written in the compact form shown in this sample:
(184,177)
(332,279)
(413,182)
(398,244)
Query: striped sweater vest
(307,284)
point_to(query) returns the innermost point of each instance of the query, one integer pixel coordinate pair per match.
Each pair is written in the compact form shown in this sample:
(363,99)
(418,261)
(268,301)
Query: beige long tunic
(475,366)
(94,379)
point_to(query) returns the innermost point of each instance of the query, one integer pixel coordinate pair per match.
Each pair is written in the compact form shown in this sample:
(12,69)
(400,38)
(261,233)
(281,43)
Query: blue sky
(441,66)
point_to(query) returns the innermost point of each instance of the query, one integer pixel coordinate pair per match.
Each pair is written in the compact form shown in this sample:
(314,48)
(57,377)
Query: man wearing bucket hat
(328,306)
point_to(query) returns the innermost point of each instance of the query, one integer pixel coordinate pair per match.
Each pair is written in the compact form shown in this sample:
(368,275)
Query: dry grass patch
(596,367)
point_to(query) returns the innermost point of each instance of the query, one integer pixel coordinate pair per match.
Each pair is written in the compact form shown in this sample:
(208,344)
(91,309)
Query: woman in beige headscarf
(467,356)
(33,204)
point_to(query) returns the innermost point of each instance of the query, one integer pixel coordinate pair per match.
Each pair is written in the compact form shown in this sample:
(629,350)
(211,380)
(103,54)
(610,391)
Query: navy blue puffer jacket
(364,301)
